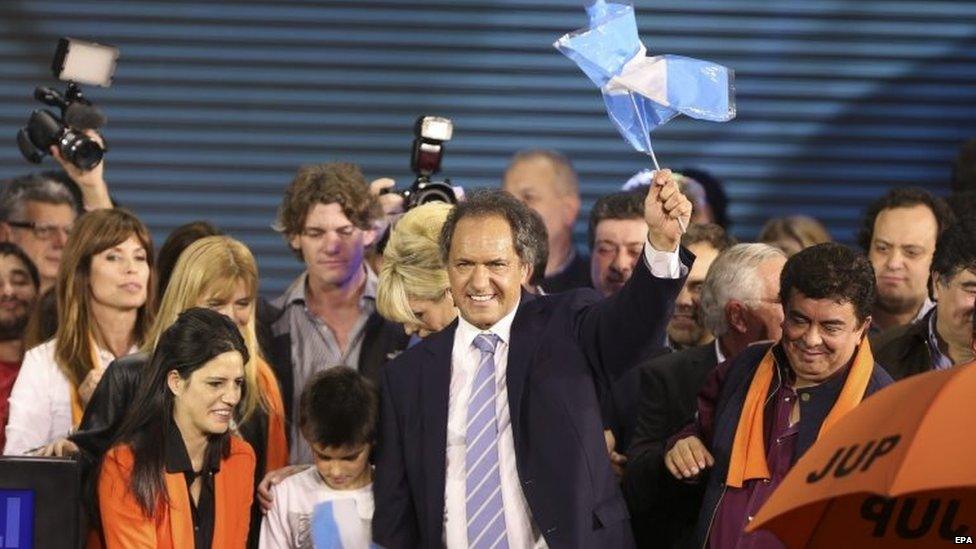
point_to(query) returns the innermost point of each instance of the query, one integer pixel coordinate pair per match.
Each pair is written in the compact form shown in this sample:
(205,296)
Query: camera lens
(81,151)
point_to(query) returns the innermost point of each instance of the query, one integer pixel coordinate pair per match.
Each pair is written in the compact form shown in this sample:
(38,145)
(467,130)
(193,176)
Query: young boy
(330,504)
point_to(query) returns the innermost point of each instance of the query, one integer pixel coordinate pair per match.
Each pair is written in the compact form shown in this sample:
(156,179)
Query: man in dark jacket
(941,338)
(775,399)
(740,305)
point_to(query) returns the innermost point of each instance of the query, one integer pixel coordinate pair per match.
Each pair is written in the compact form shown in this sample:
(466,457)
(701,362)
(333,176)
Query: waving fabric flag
(642,92)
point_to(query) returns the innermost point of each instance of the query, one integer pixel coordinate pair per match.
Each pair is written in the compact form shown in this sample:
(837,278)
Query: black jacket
(663,510)
(575,275)
(904,351)
(382,341)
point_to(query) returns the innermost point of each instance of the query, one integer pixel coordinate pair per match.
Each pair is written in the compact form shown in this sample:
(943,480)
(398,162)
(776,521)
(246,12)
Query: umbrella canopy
(898,470)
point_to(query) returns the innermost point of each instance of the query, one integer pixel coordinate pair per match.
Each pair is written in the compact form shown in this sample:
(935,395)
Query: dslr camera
(430,134)
(74,61)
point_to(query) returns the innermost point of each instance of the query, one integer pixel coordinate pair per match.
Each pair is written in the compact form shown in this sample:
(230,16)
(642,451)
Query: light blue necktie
(486,514)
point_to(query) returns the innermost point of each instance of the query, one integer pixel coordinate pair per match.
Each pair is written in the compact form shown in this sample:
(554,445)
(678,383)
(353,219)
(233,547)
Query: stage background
(216,103)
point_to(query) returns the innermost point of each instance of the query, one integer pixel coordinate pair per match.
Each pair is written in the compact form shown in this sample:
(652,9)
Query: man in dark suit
(740,305)
(490,430)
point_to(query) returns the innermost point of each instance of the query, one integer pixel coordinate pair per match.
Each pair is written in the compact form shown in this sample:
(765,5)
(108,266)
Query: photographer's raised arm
(94,190)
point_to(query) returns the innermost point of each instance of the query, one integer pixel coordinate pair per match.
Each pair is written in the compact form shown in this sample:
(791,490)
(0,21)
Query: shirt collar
(719,355)
(939,359)
(927,306)
(503,328)
(296,291)
(176,457)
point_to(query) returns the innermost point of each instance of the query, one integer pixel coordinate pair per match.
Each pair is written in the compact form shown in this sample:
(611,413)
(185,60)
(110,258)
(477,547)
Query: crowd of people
(460,375)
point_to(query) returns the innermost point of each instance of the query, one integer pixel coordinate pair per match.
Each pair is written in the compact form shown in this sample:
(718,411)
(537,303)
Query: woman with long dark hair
(106,302)
(177,477)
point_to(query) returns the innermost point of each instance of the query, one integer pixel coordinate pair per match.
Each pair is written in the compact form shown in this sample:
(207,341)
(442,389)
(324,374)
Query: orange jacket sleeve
(124,525)
(276,455)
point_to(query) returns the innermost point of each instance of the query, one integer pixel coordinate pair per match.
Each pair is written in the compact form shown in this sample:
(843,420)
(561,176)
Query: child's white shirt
(288,524)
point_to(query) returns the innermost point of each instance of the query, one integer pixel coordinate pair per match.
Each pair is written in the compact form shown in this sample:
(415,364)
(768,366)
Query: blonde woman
(413,287)
(793,233)
(105,302)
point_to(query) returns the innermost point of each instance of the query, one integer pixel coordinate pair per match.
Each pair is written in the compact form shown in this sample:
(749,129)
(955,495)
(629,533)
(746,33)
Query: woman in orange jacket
(178,478)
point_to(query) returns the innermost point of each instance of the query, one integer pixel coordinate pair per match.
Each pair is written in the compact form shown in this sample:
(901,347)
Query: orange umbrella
(897,471)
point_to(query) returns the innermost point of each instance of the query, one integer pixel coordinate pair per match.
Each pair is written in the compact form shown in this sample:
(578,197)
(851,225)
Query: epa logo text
(964,539)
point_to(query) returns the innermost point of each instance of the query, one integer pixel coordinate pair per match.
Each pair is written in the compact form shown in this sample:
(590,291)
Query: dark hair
(956,249)
(904,197)
(177,241)
(9,248)
(43,321)
(339,407)
(495,203)
(964,168)
(197,336)
(830,271)
(333,183)
(541,253)
(711,233)
(623,205)
(715,195)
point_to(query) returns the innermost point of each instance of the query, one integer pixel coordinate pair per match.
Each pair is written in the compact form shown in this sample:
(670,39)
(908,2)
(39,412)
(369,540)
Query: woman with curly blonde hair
(413,286)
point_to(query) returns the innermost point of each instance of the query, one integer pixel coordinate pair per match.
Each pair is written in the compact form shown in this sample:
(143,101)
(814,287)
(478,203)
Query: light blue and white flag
(642,92)
(337,524)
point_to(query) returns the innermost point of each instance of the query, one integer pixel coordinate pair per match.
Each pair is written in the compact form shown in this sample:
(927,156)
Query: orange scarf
(77,408)
(276,455)
(748,458)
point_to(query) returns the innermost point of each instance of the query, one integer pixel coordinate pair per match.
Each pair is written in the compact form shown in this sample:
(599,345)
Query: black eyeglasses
(42,232)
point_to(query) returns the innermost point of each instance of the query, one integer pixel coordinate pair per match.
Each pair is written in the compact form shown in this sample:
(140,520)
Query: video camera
(74,61)
(430,134)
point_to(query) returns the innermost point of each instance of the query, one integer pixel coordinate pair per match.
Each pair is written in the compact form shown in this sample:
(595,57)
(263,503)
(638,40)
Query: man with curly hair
(327,316)
(775,400)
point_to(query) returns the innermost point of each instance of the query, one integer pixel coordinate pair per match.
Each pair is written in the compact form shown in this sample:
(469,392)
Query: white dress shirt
(40,402)
(521,530)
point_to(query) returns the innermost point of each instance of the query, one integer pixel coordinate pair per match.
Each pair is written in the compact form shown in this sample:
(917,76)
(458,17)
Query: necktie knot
(486,343)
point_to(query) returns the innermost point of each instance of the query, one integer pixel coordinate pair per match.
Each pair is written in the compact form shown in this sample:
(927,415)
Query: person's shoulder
(306,483)
(898,337)
(41,353)
(240,452)
(120,457)
(880,378)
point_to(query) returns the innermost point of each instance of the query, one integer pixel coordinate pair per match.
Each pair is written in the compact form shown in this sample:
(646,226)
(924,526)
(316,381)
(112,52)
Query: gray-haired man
(740,305)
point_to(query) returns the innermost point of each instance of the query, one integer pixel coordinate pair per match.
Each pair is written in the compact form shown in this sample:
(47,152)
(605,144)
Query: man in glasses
(37,213)
(38,210)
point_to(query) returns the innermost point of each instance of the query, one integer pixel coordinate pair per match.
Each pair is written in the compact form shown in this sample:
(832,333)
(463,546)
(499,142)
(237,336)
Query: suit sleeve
(617,332)
(642,476)
(123,523)
(395,519)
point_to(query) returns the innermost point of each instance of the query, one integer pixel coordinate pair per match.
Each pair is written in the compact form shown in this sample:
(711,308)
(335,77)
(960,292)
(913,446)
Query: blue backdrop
(216,103)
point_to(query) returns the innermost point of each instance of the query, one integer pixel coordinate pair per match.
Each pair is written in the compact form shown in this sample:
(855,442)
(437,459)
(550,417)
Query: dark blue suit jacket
(563,349)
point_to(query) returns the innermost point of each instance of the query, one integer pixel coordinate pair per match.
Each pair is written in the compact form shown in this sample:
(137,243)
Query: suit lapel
(180,521)
(524,339)
(435,392)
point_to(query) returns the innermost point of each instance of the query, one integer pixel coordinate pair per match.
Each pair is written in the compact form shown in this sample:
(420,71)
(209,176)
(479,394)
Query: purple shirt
(739,505)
